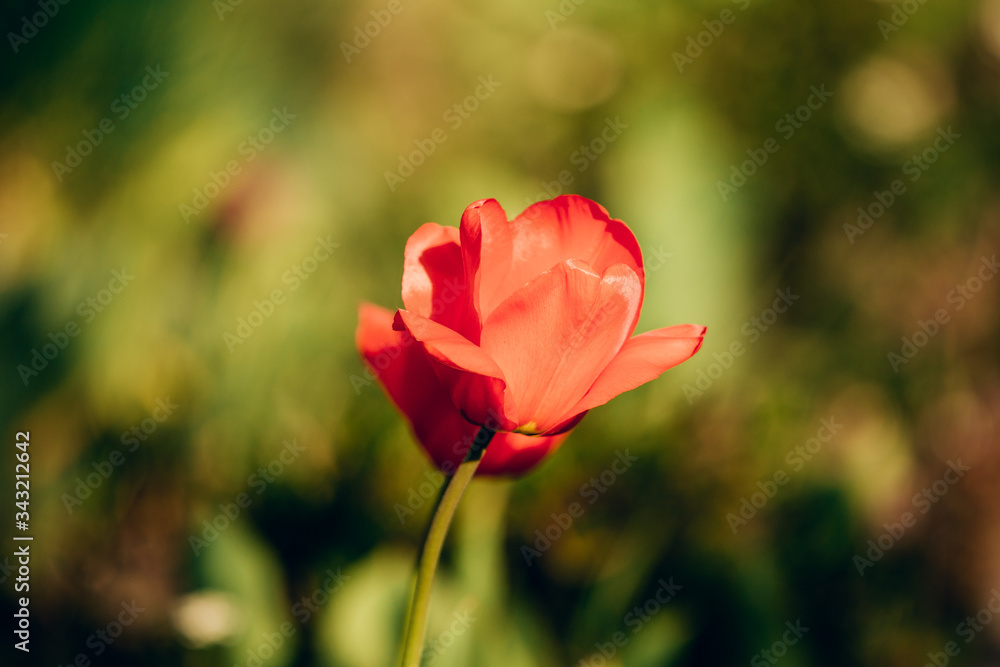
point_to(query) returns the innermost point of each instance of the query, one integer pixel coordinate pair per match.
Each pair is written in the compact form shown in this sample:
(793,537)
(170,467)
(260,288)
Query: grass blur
(255,162)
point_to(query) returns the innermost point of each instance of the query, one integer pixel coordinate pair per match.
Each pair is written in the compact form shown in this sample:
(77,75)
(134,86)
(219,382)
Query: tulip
(510,332)
(520,326)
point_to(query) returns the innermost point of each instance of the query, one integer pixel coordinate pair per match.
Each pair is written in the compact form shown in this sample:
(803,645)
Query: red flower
(522,326)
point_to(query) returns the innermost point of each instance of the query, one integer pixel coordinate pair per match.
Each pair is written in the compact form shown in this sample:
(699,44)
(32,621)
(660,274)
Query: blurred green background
(212,152)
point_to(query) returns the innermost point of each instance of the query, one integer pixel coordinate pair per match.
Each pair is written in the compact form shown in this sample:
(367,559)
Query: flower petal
(474,381)
(643,358)
(403,369)
(486,250)
(553,337)
(434,279)
(516,454)
(554,231)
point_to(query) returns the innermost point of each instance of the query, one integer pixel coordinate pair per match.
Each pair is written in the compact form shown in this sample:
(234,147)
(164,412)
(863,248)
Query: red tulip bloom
(522,326)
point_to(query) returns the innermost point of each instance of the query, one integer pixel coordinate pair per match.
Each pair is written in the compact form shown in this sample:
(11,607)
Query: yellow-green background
(333,507)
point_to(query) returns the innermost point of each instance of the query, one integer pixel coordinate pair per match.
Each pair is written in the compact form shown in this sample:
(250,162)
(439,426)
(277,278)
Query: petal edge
(642,359)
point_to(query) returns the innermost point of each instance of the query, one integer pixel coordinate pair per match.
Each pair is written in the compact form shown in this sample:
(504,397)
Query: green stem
(451,494)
